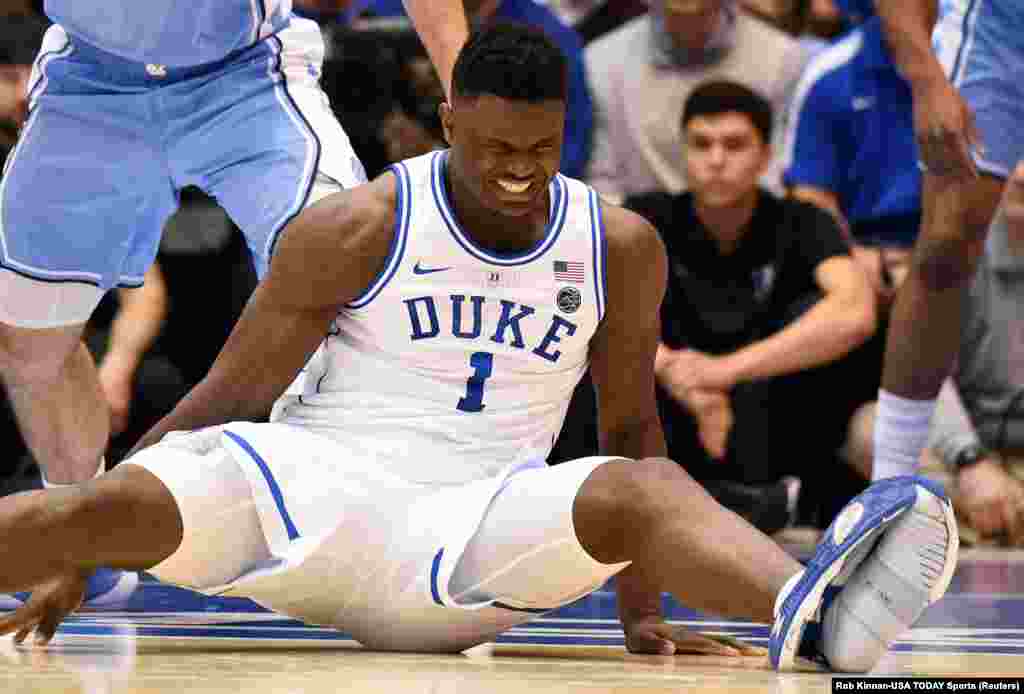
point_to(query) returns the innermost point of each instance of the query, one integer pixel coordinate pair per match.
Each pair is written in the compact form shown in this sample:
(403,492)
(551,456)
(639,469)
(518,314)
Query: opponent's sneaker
(887,556)
(106,588)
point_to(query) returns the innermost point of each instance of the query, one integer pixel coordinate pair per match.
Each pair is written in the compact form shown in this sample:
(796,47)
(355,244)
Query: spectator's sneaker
(105,588)
(887,556)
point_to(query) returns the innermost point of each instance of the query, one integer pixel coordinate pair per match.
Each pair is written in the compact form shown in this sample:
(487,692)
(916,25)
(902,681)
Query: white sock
(901,433)
(53,485)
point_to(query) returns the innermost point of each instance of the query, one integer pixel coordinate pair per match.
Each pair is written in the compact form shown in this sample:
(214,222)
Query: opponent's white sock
(53,485)
(889,590)
(901,433)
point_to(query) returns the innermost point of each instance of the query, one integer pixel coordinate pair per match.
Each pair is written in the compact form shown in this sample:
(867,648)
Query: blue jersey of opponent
(170,32)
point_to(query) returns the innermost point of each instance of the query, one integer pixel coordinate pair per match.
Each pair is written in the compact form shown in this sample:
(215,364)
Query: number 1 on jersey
(474,399)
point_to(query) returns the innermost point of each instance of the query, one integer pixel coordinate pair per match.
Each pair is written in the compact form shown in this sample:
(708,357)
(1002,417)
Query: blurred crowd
(771,144)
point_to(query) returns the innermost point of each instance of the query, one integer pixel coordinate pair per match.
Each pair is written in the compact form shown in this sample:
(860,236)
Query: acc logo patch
(569,299)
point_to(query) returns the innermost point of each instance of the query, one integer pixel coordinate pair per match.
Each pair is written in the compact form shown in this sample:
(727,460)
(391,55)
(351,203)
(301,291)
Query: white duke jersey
(458,361)
(170,32)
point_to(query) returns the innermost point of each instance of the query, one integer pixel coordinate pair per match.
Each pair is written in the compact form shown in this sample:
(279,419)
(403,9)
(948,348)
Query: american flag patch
(567,271)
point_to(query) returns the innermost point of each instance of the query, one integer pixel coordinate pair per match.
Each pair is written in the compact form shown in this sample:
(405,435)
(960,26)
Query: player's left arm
(443,29)
(623,349)
(622,366)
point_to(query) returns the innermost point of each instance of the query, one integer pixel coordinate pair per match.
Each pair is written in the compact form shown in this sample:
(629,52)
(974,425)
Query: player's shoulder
(358,216)
(350,228)
(631,239)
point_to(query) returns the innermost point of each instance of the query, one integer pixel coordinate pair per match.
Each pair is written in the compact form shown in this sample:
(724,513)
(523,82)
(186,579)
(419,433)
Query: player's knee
(623,499)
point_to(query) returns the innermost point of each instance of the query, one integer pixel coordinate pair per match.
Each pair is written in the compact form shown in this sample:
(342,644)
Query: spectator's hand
(652,636)
(704,371)
(117,380)
(945,130)
(992,501)
(886,269)
(47,607)
(713,413)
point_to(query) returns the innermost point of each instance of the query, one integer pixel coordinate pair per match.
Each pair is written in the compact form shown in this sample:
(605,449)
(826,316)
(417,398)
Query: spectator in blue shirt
(579,114)
(850,149)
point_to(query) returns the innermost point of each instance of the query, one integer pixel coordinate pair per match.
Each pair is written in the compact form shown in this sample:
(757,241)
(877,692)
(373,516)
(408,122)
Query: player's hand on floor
(47,607)
(652,636)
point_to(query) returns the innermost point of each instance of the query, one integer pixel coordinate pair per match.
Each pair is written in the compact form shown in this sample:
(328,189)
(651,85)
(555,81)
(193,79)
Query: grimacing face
(725,157)
(507,150)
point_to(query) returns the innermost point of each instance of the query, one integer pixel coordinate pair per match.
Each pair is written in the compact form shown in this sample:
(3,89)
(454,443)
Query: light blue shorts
(981,45)
(109,143)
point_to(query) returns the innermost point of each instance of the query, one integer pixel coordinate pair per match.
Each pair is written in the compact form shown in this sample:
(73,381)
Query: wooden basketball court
(170,640)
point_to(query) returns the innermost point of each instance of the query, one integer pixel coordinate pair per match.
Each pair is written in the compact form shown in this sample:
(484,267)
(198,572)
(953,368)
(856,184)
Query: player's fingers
(689,642)
(649,642)
(48,625)
(738,647)
(23,633)
(25,616)
(742,647)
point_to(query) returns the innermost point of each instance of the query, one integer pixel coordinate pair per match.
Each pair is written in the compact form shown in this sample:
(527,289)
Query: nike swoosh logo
(427,270)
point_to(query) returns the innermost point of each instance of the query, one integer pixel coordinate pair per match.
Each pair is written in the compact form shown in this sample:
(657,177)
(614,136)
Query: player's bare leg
(654,514)
(126,519)
(53,386)
(679,539)
(926,317)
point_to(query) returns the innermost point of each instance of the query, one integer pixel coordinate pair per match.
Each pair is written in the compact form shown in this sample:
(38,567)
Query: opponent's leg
(303,155)
(125,519)
(926,318)
(54,390)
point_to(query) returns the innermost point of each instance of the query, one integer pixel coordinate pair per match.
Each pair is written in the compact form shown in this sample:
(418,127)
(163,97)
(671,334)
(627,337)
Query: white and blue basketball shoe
(889,554)
(105,589)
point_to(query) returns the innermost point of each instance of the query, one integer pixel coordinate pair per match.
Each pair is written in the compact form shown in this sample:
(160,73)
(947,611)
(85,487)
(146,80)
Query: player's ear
(447,120)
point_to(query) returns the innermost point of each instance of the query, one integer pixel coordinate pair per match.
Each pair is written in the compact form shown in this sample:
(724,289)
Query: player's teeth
(513,186)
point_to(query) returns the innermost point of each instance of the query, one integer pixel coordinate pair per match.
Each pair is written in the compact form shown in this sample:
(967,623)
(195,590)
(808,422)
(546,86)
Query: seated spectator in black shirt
(763,305)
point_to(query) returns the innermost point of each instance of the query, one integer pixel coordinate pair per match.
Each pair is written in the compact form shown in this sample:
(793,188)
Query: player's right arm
(325,257)
(943,123)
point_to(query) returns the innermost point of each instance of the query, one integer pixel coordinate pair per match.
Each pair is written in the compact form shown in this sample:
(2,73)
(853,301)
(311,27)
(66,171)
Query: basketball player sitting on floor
(403,495)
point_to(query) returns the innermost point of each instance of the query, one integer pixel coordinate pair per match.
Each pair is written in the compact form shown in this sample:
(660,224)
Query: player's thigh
(82,202)
(281,148)
(221,533)
(976,41)
(526,553)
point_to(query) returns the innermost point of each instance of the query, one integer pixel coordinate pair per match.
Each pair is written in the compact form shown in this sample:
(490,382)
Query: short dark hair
(722,96)
(21,35)
(511,61)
